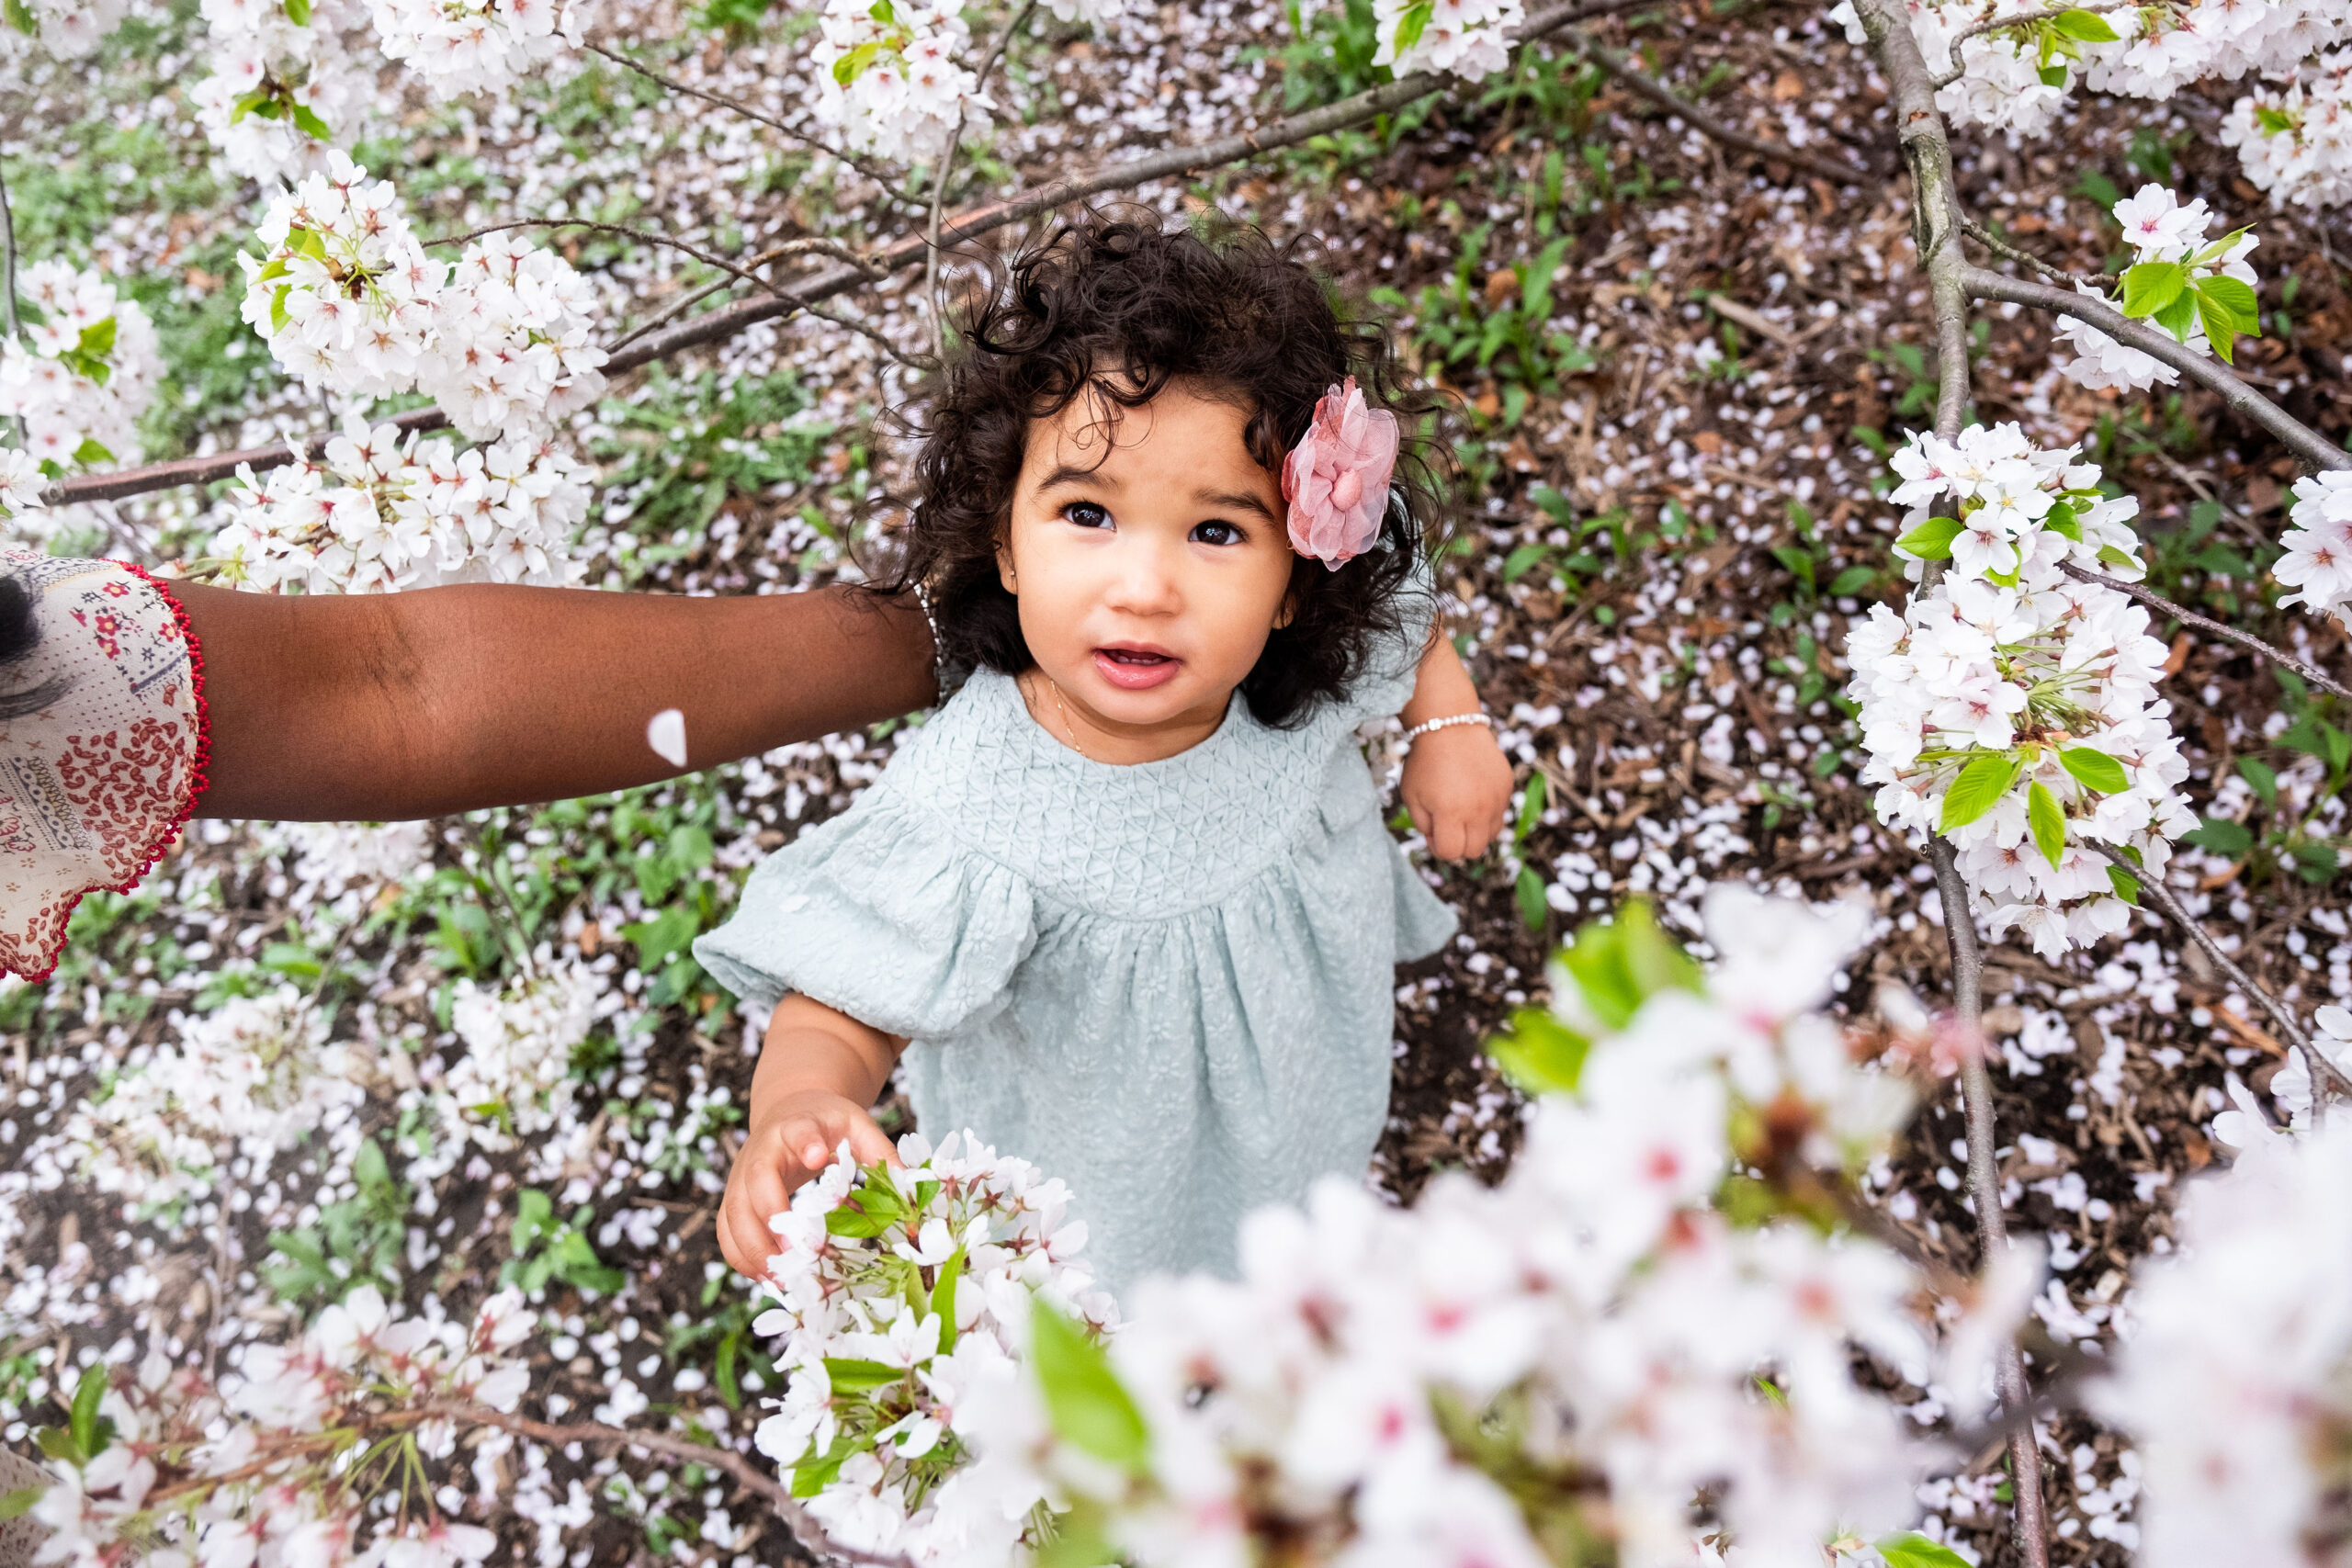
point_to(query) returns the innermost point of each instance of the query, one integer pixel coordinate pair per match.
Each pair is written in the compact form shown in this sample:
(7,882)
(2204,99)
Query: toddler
(1125,904)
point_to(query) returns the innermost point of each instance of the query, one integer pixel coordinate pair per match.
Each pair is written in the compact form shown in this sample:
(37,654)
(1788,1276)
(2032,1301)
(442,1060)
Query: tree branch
(813,245)
(644,236)
(2000,247)
(1954,70)
(750,1476)
(2323,1070)
(718,325)
(1708,125)
(2181,612)
(2207,372)
(1936,227)
(879,174)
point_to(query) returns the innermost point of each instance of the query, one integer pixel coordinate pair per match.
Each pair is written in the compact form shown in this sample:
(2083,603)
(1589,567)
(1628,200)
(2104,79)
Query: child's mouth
(1136,669)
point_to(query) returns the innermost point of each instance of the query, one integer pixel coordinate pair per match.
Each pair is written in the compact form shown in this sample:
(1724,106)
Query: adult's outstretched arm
(381,707)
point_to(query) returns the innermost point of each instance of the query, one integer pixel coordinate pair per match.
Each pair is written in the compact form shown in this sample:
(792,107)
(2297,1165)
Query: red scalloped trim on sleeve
(198,776)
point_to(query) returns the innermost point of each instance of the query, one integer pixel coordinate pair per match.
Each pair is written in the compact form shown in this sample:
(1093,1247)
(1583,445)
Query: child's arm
(819,1072)
(1457,781)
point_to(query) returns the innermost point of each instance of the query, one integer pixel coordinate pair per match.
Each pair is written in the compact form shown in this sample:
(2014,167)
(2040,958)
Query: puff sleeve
(881,914)
(1386,683)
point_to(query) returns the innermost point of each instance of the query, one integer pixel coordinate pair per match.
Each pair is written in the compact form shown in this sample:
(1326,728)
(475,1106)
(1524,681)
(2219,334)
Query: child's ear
(1289,611)
(1004,573)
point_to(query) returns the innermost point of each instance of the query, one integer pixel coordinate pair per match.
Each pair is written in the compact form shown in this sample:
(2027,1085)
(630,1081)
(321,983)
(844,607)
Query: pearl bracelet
(1427,725)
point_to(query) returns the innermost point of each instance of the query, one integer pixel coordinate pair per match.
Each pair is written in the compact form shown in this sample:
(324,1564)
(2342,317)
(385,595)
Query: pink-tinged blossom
(1335,479)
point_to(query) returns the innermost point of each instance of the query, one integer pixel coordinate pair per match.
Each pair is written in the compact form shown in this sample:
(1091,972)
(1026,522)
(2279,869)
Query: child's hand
(1458,785)
(789,1144)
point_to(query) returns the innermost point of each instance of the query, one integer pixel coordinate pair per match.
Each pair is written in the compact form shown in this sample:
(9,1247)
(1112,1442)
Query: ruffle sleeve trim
(882,915)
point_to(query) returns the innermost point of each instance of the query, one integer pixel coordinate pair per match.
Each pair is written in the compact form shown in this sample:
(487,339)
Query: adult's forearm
(384,707)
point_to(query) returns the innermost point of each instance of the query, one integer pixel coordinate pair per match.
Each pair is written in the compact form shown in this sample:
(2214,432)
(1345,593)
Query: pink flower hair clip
(1335,479)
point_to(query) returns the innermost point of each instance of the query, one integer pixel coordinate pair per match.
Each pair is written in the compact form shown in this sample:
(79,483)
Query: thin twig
(1998,246)
(1936,224)
(2309,444)
(716,326)
(882,176)
(645,235)
(814,245)
(2187,617)
(2322,1069)
(913,361)
(947,167)
(1954,70)
(8,262)
(772,1492)
(1708,124)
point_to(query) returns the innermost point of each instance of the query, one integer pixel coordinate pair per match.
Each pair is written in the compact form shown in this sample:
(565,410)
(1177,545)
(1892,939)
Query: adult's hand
(380,707)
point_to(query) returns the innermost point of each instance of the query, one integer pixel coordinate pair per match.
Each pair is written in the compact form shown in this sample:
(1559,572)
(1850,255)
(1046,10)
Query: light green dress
(1170,984)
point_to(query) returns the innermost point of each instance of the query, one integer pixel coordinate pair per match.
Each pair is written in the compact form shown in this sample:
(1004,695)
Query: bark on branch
(1710,125)
(2205,370)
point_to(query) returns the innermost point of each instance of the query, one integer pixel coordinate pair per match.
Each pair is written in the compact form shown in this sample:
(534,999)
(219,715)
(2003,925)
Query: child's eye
(1086,514)
(1217,533)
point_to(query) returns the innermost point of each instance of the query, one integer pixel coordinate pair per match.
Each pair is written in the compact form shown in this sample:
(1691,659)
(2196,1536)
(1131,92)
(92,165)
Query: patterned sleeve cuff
(96,784)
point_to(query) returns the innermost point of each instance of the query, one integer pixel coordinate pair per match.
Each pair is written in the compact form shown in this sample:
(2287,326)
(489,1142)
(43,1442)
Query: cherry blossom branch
(2207,372)
(750,1476)
(1954,70)
(1722,131)
(947,167)
(880,174)
(644,236)
(716,326)
(1936,227)
(2187,617)
(1998,246)
(2323,1070)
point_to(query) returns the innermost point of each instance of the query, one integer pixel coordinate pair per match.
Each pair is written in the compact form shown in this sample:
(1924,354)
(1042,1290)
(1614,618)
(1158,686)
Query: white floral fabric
(95,786)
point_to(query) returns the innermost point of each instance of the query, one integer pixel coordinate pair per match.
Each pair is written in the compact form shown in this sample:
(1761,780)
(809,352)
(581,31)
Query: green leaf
(2221,328)
(1798,562)
(273,268)
(309,124)
(2274,122)
(2180,318)
(2231,840)
(97,338)
(1912,1549)
(1527,889)
(2048,821)
(15,1505)
(813,1475)
(92,451)
(1531,807)
(850,66)
(1538,1053)
(1090,1408)
(1853,579)
(2061,518)
(309,243)
(2232,294)
(2095,770)
(1931,540)
(2151,285)
(20,17)
(90,1435)
(533,1217)
(669,932)
(2110,555)
(1410,26)
(861,1377)
(277,307)
(1978,789)
(2084,26)
(1620,965)
(2051,75)
(2263,777)
(299,12)
(2126,886)
(942,1299)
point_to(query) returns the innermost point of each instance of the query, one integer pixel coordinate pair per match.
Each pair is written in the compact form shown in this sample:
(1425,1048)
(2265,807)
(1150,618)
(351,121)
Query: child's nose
(1143,583)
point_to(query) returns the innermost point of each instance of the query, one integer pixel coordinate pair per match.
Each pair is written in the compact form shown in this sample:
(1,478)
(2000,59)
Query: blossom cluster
(2317,566)
(2200,291)
(84,371)
(474,46)
(1469,37)
(67,29)
(2296,142)
(2017,78)
(906,1296)
(347,300)
(514,1080)
(377,511)
(1635,1342)
(2012,708)
(2235,1376)
(252,1077)
(165,1466)
(285,78)
(889,77)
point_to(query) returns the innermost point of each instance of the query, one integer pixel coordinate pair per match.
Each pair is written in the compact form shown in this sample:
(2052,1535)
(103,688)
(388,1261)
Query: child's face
(1149,557)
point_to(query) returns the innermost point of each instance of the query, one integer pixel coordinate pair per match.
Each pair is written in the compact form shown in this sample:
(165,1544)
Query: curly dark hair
(1117,304)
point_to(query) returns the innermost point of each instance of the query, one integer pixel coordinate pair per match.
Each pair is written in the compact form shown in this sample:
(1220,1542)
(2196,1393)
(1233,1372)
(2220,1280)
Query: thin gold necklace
(1069,725)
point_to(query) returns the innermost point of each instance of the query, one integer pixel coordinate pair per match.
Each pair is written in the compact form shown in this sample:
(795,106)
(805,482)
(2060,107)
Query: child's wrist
(1446,721)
